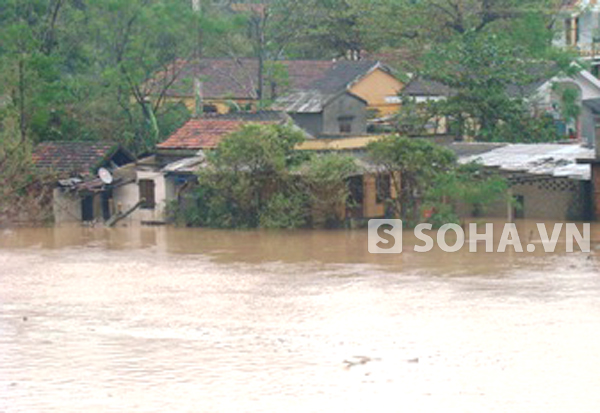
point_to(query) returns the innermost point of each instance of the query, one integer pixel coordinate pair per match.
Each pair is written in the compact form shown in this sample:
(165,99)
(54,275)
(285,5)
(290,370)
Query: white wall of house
(588,22)
(126,196)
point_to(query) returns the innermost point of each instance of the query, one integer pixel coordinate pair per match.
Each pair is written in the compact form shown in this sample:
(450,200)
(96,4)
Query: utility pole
(198,98)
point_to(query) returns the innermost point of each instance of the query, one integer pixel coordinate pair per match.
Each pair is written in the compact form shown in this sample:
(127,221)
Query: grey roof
(259,116)
(463,149)
(302,101)
(424,87)
(556,160)
(187,165)
(334,82)
(593,104)
(343,74)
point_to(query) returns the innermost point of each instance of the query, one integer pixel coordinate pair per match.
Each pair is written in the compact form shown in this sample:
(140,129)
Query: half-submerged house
(546,180)
(163,177)
(80,194)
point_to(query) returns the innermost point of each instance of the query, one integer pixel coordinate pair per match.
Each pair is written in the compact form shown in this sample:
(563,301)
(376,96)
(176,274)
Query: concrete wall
(587,25)
(310,122)
(371,208)
(66,206)
(595,195)
(345,105)
(588,126)
(558,199)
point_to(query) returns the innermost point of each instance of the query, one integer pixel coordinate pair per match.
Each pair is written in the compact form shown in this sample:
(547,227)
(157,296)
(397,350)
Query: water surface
(182,320)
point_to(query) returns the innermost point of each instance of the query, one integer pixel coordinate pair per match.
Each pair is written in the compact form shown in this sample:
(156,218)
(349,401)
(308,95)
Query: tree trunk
(22,115)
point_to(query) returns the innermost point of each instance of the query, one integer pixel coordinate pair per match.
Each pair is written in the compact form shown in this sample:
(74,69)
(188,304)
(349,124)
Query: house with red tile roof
(206,132)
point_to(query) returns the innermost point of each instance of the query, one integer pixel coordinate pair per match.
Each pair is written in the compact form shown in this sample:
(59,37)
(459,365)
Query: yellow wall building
(380,89)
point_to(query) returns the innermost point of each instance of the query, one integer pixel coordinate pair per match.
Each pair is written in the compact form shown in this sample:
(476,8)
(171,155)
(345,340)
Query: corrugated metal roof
(538,159)
(191,164)
(304,101)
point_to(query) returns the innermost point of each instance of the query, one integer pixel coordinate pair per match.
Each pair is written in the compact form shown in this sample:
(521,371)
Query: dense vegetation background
(76,69)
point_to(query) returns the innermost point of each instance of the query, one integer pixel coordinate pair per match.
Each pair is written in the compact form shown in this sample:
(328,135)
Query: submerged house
(163,177)
(80,194)
(545,180)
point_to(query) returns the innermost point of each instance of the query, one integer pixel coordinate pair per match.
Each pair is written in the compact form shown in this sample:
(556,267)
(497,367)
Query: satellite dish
(105,176)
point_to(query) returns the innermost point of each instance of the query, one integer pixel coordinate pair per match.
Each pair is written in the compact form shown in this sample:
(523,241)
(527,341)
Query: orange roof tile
(200,134)
(205,133)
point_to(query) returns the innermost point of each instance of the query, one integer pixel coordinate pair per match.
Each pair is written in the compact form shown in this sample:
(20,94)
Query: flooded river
(181,320)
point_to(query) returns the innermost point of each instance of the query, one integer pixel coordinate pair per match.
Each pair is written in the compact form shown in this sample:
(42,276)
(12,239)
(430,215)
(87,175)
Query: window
(147,193)
(568,32)
(384,188)
(345,123)
(572,31)
(209,108)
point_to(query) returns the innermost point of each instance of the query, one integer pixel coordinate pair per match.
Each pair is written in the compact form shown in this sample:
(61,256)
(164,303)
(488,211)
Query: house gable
(380,89)
(345,114)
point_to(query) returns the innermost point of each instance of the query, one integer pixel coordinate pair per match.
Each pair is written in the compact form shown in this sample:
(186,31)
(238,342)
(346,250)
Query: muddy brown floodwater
(188,320)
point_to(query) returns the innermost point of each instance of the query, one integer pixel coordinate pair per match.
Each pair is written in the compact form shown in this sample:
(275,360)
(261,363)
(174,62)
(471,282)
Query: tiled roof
(206,133)
(237,78)
(200,133)
(72,157)
(260,116)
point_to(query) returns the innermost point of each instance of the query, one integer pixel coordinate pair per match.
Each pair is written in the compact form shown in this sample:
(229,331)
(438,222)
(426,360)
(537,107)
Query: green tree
(244,172)
(488,52)
(132,40)
(413,164)
(470,184)
(490,79)
(325,179)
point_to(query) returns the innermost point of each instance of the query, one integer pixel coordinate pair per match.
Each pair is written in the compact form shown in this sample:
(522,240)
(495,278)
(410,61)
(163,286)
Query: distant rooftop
(234,78)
